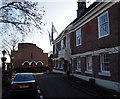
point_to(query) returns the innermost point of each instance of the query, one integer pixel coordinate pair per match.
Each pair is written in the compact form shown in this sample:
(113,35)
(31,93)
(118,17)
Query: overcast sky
(61,13)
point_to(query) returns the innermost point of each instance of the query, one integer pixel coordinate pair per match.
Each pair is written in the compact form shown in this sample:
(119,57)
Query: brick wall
(90,40)
(29,52)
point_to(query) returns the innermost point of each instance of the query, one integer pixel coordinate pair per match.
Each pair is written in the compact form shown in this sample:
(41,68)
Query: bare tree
(22,16)
(17,20)
(10,44)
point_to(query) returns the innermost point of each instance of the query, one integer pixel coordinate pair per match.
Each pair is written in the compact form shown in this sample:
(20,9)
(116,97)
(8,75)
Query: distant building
(29,55)
(89,47)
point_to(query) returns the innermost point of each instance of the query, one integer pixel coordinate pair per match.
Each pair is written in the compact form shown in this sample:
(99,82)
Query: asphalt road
(51,86)
(21,96)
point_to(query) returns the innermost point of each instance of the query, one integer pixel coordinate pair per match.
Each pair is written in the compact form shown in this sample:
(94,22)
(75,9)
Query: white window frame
(54,63)
(78,67)
(55,49)
(57,64)
(103,61)
(103,25)
(89,63)
(62,44)
(61,63)
(68,40)
(78,37)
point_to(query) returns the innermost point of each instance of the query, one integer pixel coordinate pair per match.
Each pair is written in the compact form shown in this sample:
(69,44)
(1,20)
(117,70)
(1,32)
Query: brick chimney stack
(81,7)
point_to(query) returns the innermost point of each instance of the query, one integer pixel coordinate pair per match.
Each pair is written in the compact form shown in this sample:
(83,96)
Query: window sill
(78,45)
(104,74)
(56,68)
(100,37)
(61,68)
(89,72)
(78,70)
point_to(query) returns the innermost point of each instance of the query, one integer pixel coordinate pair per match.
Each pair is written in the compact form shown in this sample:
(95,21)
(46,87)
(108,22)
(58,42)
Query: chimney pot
(81,7)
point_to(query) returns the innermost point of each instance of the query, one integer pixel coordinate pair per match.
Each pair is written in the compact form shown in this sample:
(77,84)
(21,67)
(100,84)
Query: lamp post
(3,60)
(3,52)
(12,61)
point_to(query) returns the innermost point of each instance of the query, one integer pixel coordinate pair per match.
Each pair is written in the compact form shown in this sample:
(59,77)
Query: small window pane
(78,37)
(105,62)
(78,63)
(89,63)
(103,25)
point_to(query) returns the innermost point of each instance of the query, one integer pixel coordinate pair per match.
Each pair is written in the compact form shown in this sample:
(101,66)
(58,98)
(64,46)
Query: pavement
(0,85)
(90,88)
(5,86)
(5,83)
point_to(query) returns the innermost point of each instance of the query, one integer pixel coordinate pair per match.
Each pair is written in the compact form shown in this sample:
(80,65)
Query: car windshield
(24,77)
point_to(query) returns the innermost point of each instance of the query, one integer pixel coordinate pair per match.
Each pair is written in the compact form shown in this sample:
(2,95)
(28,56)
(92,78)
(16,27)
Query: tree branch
(8,5)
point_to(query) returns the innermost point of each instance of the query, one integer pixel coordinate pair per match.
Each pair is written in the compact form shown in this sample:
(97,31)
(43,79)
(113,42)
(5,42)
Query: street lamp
(12,61)
(3,52)
(3,60)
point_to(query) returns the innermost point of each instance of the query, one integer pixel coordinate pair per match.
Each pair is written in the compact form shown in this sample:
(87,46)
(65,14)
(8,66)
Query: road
(51,86)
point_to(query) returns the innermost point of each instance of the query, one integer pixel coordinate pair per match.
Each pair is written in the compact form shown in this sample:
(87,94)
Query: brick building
(89,47)
(29,55)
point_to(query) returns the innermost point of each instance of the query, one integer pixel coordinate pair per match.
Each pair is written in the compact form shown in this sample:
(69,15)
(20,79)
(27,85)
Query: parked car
(23,83)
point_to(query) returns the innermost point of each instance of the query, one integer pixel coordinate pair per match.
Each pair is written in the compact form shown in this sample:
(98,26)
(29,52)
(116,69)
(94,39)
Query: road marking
(39,91)
(41,97)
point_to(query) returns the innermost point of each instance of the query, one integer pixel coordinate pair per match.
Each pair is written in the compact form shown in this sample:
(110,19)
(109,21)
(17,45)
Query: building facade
(89,47)
(29,55)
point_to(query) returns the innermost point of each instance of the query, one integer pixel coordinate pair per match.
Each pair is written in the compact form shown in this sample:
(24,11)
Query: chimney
(81,7)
